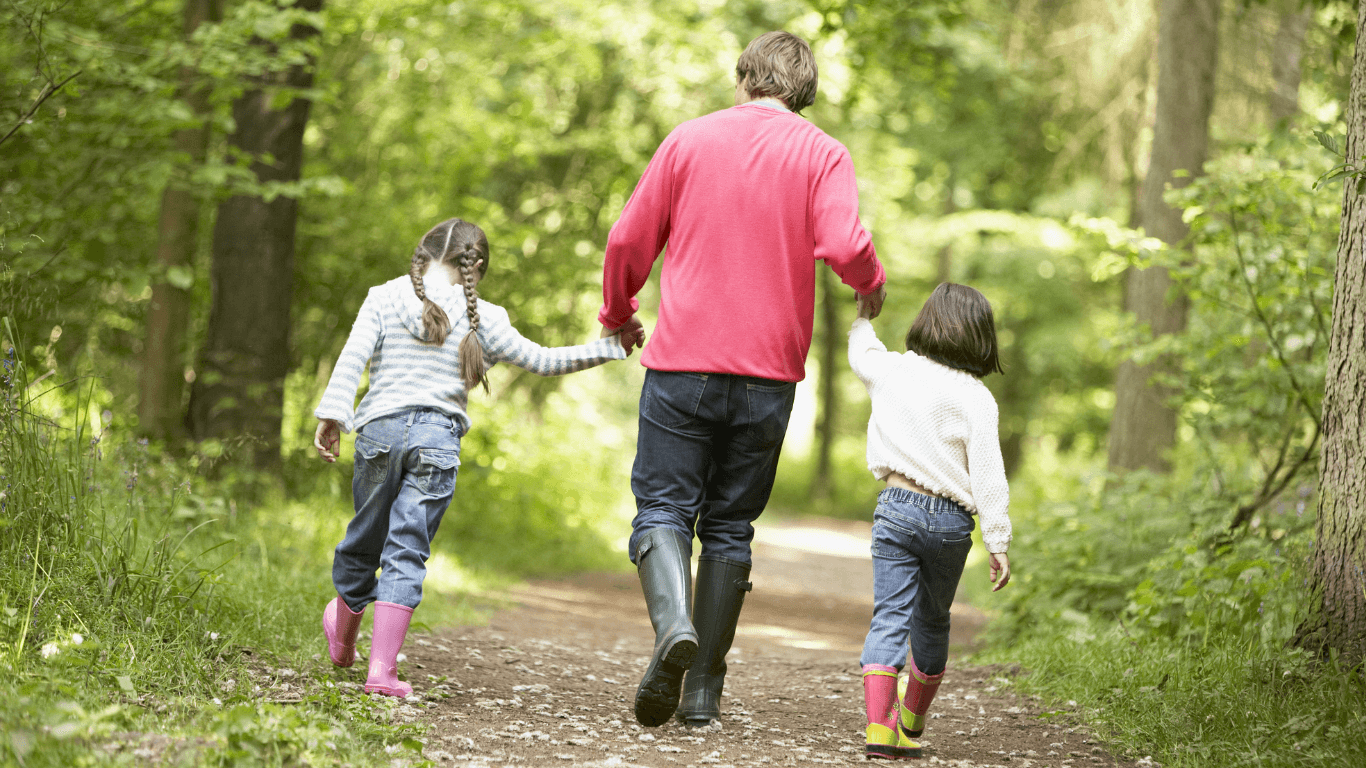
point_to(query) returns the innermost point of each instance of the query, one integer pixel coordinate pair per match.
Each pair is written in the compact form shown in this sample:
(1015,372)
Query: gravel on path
(551,680)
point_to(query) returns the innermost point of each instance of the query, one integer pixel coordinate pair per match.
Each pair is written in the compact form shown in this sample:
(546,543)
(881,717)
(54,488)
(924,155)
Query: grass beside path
(150,616)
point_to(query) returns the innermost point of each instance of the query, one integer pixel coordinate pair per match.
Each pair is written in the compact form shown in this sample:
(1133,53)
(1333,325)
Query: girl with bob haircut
(408,428)
(933,439)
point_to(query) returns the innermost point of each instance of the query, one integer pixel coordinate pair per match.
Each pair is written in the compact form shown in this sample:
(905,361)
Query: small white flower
(50,650)
(401,657)
(213,636)
(77,639)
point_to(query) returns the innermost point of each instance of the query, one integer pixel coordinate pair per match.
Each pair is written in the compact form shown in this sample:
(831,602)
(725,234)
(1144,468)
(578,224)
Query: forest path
(551,680)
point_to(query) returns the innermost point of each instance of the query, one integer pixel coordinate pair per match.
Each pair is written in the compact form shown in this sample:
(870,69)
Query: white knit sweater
(937,426)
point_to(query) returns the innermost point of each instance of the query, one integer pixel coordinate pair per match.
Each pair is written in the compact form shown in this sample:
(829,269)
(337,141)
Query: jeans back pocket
(436,471)
(372,459)
(672,399)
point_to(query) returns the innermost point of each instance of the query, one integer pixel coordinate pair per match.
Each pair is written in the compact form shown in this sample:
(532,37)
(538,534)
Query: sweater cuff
(879,280)
(607,321)
(343,419)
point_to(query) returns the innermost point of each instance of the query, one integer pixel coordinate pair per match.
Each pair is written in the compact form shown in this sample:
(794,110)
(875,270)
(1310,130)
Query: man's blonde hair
(779,65)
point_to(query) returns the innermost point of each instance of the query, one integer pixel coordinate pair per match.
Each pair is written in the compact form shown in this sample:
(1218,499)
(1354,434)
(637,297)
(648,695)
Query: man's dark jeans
(706,456)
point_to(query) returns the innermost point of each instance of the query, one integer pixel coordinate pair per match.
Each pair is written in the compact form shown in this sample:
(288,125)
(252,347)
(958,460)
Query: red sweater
(747,199)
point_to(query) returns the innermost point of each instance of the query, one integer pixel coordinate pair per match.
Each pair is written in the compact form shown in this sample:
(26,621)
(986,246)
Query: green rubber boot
(721,587)
(666,579)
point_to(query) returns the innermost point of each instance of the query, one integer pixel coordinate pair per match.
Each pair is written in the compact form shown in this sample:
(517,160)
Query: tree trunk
(1338,586)
(161,381)
(1144,426)
(239,390)
(822,483)
(943,262)
(1286,52)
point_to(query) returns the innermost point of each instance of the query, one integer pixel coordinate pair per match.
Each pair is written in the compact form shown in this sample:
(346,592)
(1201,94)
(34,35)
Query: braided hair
(458,241)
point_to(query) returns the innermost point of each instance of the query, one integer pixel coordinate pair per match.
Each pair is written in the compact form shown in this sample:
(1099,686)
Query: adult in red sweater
(747,200)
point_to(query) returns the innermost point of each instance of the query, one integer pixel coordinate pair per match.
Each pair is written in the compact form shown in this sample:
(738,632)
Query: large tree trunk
(822,482)
(1144,426)
(161,382)
(239,390)
(1286,52)
(1338,611)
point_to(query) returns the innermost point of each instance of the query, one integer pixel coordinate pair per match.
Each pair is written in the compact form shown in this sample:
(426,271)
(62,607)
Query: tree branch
(1245,512)
(1266,325)
(47,92)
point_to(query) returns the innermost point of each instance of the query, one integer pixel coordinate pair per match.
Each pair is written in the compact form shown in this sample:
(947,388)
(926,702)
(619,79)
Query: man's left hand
(870,306)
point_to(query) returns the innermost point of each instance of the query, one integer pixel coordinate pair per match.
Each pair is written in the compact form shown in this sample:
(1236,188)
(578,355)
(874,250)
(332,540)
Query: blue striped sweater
(407,372)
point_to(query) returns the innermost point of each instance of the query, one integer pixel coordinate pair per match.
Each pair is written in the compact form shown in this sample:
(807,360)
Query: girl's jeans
(919,546)
(405,477)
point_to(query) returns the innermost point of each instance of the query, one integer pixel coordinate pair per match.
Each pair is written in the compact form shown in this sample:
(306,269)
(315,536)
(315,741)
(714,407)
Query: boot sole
(398,693)
(911,734)
(660,689)
(887,752)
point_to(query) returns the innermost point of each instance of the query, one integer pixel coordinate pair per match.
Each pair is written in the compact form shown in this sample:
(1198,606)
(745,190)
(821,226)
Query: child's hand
(870,306)
(1000,569)
(632,333)
(328,439)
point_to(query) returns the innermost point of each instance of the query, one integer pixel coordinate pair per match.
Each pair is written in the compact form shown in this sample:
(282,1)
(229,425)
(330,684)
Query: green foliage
(1168,594)
(1230,702)
(136,600)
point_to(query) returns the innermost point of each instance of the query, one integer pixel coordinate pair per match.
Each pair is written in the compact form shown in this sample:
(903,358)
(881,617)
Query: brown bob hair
(956,328)
(779,65)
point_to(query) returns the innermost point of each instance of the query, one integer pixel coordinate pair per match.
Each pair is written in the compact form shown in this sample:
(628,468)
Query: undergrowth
(148,614)
(1135,606)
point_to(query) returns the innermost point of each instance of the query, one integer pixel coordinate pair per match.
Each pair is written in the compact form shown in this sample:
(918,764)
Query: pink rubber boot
(391,626)
(340,626)
(915,702)
(879,700)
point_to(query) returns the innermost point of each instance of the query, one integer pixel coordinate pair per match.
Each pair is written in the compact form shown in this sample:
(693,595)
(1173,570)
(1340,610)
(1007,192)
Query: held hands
(1000,569)
(870,306)
(328,440)
(632,334)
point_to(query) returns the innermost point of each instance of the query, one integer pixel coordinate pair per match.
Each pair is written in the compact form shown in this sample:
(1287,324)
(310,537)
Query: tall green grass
(1134,605)
(136,599)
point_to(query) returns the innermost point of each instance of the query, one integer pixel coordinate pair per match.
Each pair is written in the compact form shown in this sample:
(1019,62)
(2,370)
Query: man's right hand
(632,333)
(870,306)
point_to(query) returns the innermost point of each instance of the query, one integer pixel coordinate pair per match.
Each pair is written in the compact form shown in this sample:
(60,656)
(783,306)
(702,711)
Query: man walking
(747,200)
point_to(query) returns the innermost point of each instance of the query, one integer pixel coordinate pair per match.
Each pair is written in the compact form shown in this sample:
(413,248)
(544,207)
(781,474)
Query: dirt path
(551,681)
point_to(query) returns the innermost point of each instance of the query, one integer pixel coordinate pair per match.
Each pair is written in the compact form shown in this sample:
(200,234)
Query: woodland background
(1155,195)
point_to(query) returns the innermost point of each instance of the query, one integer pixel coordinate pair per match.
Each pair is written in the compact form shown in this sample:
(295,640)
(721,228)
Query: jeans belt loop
(412,416)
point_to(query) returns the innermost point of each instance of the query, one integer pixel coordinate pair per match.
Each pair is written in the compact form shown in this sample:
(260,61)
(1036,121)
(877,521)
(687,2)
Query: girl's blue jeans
(920,544)
(405,477)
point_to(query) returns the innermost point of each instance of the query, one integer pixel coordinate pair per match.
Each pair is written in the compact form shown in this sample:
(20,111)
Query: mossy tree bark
(239,390)
(1337,618)
(161,380)
(1144,425)
(1287,51)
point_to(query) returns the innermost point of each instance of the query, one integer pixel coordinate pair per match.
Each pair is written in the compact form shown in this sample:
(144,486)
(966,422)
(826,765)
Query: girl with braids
(408,429)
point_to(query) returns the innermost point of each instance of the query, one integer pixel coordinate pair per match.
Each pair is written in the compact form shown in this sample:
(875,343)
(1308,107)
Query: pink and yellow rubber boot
(915,700)
(391,627)
(341,626)
(880,700)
